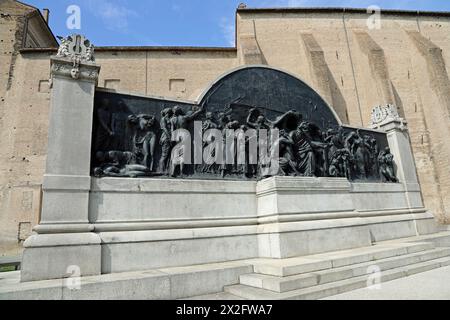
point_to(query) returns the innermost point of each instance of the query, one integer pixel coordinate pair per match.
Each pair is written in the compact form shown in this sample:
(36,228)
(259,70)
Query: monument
(120,195)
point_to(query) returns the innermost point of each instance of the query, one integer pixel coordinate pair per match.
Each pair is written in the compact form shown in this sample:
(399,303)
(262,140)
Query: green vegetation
(7,269)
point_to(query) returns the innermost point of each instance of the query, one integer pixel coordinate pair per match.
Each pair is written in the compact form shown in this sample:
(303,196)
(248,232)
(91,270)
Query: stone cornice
(340,10)
(392,125)
(64,67)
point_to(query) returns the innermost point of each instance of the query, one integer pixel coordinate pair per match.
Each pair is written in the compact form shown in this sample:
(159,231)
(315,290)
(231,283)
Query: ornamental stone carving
(76,47)
(382,115)
(78,50)
(80,72)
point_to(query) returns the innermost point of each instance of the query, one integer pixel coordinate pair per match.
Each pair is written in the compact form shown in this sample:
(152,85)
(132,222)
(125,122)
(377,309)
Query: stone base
(306,238)
(303,216)
(142,224)
(58,256)
(139,250)
(157,223)
(156,284)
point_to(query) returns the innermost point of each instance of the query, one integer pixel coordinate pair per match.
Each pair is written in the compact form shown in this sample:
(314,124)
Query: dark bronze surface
(132,135)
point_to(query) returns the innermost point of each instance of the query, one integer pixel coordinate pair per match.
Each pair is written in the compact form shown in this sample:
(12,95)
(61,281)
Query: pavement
(430,285)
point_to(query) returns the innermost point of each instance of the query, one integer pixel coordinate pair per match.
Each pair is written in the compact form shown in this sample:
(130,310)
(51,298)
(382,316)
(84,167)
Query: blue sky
(183,22)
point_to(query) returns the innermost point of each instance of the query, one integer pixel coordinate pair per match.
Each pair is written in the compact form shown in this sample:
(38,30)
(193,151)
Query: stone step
(318,262)
(289,283)
(215,296)
(334,288)
(166,284)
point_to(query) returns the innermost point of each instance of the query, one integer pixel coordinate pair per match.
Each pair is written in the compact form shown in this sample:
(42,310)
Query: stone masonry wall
(21,136)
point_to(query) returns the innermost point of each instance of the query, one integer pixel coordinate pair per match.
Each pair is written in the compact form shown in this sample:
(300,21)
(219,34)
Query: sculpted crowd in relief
(302,148)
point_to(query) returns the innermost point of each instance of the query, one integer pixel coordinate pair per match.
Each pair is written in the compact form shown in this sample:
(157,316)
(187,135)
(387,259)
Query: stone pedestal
(400,145)
(387,119)
(63,243)
(301,216)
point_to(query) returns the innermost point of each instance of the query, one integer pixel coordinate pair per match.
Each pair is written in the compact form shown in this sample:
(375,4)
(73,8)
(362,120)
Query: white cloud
(227,27)
(114,16)
(176,7)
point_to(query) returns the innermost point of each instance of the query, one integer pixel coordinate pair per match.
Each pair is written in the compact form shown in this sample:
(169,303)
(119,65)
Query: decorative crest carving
(78,49)
(385,113)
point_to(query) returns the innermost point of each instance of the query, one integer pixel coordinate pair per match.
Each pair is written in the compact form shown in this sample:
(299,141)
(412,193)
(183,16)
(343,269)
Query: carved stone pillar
(387,119)
(64,241)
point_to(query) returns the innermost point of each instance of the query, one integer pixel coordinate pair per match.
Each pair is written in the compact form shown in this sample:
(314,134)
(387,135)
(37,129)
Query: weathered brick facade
(406,63)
